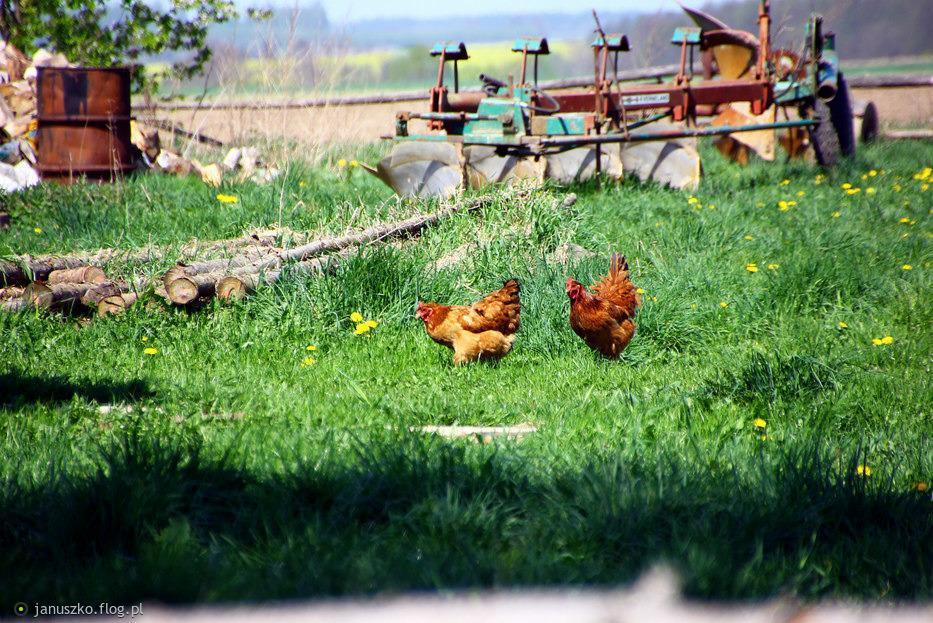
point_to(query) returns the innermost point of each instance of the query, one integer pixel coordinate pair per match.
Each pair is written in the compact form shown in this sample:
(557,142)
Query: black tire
(840,110)
(823,135)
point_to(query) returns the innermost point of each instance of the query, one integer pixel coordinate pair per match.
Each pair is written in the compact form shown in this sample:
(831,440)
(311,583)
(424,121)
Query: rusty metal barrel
(84,122)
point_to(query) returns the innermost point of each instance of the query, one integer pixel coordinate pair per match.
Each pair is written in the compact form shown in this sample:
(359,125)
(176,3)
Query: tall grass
(241,474)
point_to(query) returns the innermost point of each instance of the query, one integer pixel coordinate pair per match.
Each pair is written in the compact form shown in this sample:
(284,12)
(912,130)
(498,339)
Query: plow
(730,84)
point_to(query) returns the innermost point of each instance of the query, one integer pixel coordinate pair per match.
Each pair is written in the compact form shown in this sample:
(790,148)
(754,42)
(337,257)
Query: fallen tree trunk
(59,295)
(37,269)
(235,287)
(82,274)
(407,227)
(26,269)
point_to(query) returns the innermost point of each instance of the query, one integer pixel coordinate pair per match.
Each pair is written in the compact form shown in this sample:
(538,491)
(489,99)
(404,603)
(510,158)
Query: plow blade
(484,166)
(577,165)
(675,162)
(738,146)
(422,169)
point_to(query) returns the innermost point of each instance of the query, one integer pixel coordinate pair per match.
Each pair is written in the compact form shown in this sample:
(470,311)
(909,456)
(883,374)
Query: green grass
(240,474)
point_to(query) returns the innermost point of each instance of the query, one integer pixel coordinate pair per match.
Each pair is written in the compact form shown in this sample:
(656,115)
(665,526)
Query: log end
(182,290)
(38,294)
(116,304)
(231,289)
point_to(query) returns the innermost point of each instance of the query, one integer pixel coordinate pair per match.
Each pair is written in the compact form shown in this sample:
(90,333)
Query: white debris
(18,177)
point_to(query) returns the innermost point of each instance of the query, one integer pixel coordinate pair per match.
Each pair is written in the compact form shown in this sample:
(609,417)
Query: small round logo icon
(21,609)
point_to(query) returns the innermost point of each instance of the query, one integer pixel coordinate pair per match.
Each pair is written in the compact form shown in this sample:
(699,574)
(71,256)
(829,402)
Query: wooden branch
(164,124)
(407,227)
(482,432)
(889,81)
(908,134)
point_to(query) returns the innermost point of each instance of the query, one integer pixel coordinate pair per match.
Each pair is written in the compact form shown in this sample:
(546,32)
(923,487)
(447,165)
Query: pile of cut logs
(75,283)
(63,284)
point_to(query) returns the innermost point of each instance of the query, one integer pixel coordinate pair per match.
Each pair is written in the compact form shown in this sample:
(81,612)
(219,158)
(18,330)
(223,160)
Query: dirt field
(900,107)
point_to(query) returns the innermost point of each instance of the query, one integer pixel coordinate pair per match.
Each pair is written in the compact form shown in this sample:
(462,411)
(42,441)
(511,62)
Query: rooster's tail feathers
(617,264)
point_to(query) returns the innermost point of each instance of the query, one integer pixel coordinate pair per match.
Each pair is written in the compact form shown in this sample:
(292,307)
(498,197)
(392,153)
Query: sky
(353,10)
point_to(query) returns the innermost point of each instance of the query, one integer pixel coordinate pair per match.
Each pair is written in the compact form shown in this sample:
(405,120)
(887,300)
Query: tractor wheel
(823,135)
(840,110)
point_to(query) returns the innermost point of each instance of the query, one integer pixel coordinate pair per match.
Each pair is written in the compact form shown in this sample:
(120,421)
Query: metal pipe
(687,133)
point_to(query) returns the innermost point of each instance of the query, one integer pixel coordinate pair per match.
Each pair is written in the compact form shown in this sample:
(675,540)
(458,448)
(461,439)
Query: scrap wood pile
(78,283)
(18,125)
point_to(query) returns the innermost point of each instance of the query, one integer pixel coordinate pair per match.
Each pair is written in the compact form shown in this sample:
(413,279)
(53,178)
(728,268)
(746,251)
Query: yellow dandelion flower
(37,230)
(144,338)
(341,163)
(372,324)
(711,207)
(301,184)
(924,187)
(773,266)
(872,173)
(785,182)
(751,267)
(310,347)
(904,219)
(308,361)
(151,351)
(800,193)
(863,470)
(783,206)
(853,191)
(654,299)
(870,190)
(925,173)
(897,188)
(907,267)
(760,423)
(692,200)
(361,329)
(639,291)
(846,186)
(723,304)
(792,203)
(921,486)
(356,317)
(763,438)
(222,198)
(837,214)
(863,176)
(842,325)
(354,163)
(749,237)
(887,340)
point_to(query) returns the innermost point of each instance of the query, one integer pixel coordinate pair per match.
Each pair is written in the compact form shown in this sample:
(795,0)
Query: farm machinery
(745,93)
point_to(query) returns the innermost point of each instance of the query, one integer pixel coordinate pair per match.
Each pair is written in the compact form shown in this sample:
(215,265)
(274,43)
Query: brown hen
(605,318)
(484,330)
